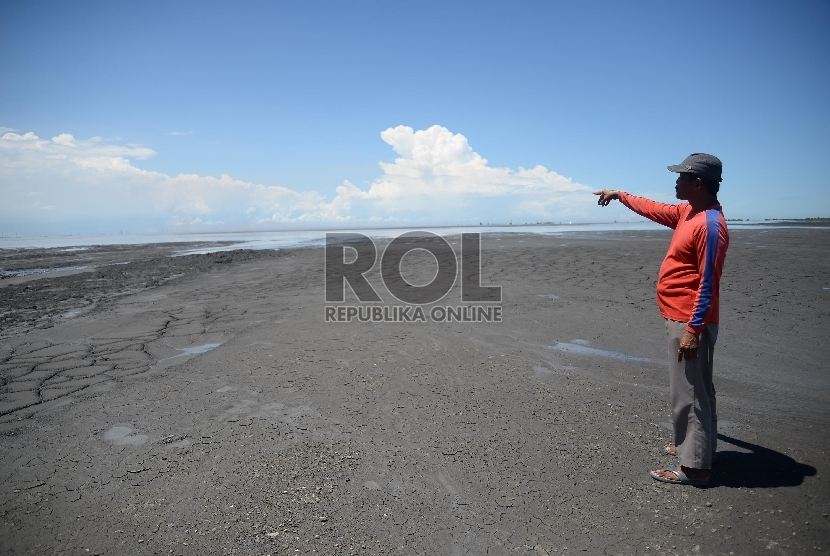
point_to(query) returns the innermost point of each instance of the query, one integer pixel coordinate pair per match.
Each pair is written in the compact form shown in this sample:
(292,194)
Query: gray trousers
(694,413)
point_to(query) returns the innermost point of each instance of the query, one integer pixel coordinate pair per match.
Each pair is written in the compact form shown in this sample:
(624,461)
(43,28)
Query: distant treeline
(817,219)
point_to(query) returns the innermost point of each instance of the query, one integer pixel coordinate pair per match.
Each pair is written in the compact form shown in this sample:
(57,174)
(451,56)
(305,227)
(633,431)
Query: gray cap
(705,165)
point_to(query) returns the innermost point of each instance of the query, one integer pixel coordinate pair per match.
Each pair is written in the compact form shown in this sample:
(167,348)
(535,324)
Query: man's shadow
(762,468)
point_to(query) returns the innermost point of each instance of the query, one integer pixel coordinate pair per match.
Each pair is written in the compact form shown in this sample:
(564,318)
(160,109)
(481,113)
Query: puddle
(71,314)
(197,350)
(582,347)
(123,435)
(224,389)
(548,295)
(188,352)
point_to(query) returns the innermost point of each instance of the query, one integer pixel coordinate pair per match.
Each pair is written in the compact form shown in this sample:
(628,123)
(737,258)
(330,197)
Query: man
(687,294)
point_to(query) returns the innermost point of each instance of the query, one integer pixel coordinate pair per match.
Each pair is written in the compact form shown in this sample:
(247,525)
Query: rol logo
(351,257)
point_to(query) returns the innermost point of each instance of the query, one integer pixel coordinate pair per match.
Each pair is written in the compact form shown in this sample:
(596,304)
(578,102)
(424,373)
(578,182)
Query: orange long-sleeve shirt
(688,285)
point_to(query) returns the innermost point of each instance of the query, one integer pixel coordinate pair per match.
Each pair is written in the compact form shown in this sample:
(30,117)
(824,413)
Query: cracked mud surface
(201,405)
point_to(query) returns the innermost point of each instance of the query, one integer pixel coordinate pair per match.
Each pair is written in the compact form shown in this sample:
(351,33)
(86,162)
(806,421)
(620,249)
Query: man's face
(684,186)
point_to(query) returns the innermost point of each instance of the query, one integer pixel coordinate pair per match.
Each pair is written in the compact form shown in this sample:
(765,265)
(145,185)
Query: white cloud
(181,133)
(439,174)
(15,137)
(65,139)
(90,179)
(4,129)
(437,177)
(32,148)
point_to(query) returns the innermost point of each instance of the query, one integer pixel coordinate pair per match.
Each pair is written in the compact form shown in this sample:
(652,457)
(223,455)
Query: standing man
(687,295)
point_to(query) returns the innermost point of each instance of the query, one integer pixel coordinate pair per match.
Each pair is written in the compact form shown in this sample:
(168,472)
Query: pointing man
(687,295)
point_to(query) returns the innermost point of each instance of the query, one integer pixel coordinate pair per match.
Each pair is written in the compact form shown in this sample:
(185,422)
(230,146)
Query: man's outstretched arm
(662,213)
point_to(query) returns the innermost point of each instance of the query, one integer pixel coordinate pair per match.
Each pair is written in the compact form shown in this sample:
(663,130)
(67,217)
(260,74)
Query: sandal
(682,479)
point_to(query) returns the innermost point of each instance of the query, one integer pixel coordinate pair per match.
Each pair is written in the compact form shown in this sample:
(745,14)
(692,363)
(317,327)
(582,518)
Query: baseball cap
(706,165)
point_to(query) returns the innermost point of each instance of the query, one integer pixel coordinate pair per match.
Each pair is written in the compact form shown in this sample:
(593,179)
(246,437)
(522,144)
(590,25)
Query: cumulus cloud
(436,177)
(439,174)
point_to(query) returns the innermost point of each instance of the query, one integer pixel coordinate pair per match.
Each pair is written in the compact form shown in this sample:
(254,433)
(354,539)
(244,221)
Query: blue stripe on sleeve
(708,282)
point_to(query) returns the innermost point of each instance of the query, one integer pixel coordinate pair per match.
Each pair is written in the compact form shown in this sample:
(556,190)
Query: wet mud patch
(48,297)
(583,347)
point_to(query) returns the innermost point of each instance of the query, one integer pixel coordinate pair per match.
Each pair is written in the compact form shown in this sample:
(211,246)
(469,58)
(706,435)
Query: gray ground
(294,436)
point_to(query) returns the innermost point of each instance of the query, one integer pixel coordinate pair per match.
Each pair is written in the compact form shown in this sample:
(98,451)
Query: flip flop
(674,453)
(682,479)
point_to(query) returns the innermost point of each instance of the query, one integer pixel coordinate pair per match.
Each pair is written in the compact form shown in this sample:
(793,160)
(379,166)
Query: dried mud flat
(201,405)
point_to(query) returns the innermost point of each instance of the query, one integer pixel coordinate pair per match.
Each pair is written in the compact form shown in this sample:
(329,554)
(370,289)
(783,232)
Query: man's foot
(671,449)
(677,474)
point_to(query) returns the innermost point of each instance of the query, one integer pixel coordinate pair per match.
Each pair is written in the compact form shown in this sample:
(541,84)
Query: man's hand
(688,346)
(606,196)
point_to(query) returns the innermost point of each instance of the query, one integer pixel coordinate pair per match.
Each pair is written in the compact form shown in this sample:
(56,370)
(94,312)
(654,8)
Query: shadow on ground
(760,468)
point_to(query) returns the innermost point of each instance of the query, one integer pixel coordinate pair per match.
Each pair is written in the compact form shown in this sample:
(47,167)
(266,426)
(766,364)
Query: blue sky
(276,115)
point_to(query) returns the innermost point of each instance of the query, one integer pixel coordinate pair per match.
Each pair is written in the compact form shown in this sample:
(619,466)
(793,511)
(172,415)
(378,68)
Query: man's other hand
(606,196)
(688,346)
